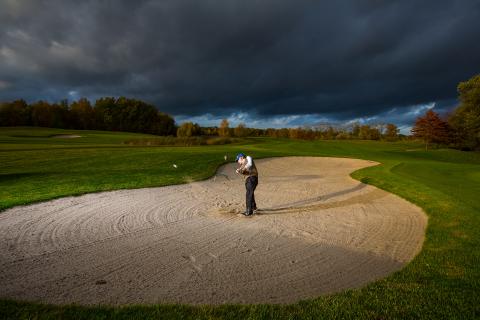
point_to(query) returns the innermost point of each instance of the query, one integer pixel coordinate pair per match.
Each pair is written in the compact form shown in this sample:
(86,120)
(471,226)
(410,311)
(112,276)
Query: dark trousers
(250,185)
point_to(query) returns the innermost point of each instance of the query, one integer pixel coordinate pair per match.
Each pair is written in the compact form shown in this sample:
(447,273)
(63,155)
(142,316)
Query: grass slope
(442,282)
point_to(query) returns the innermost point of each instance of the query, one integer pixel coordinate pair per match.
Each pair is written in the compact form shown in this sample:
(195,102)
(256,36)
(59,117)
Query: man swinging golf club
(249,171)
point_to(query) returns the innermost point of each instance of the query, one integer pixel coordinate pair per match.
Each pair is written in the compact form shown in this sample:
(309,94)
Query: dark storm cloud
(345,59)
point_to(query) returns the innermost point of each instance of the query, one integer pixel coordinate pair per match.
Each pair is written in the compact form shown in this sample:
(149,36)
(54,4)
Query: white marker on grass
(175,166)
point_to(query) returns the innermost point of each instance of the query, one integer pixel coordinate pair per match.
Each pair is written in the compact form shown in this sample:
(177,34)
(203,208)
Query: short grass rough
(442,282)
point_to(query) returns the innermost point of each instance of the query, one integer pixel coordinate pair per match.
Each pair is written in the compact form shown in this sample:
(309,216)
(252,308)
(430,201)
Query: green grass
(442,282)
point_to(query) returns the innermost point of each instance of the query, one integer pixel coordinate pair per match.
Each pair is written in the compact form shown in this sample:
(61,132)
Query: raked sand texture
(318,232)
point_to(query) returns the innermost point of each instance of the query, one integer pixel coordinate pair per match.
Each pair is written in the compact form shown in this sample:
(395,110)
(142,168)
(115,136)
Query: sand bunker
(319,232)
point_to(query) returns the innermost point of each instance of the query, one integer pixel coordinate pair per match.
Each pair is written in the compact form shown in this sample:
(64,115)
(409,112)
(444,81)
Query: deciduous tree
(431,128)
(81,114)
(15,113)
(240,130)
(188,129)
(224,130)
(368,133)
(391,133)
(465,119)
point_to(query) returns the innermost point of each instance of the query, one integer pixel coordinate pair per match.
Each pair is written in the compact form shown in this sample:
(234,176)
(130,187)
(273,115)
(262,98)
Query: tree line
(113,114)
(461,128)
(388,132)
(131,115)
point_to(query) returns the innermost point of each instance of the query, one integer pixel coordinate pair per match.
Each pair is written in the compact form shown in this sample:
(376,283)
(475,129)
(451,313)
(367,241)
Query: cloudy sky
(263,62)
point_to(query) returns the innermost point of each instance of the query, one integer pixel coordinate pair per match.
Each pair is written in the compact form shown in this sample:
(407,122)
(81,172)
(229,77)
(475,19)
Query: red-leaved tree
(431,128)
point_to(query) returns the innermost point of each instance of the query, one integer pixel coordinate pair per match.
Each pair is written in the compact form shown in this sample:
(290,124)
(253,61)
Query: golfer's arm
(243,169)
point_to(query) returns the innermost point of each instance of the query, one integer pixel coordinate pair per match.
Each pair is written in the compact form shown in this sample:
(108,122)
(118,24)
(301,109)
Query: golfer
(249,171)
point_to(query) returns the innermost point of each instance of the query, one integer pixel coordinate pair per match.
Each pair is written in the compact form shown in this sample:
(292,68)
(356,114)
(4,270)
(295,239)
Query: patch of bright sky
(253,120)
(73,94)
(402,117)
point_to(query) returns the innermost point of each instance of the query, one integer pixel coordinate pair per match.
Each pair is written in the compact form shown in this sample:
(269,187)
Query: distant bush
(221,140)
(188,129)
(342,136)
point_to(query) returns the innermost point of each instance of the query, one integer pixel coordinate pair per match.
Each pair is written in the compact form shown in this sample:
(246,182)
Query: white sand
(319,232)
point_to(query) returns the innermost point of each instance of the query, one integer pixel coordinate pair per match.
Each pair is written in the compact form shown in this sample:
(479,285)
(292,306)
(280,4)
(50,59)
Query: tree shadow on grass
(10,177)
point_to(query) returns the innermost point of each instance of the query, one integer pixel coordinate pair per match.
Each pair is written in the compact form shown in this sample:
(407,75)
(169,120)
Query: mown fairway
(442,282)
